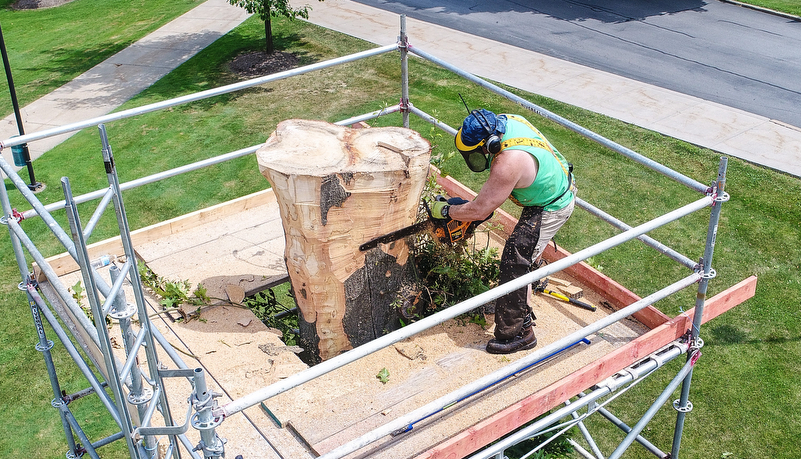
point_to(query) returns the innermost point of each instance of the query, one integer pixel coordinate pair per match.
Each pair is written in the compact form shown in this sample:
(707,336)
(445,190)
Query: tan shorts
(551,222)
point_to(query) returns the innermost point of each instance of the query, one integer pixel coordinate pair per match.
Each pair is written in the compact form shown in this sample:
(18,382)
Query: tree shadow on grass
(728,334)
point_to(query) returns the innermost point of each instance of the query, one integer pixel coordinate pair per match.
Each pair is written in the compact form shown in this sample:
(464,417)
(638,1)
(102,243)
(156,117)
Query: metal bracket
(217,450)
(141,398)
(686,409)
(41,348)
(710,275)
(128,311)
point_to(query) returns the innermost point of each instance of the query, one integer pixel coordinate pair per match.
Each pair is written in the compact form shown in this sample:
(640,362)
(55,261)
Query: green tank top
(552,175)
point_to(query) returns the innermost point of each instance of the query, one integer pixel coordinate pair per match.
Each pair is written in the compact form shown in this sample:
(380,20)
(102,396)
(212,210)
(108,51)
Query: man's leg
(551,223)
(513,316)
(512,310)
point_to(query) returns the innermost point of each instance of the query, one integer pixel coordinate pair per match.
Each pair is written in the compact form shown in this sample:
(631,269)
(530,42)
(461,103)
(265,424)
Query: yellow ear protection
(493,142)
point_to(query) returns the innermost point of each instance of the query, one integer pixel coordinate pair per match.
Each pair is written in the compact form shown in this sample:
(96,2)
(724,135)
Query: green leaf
(383,375)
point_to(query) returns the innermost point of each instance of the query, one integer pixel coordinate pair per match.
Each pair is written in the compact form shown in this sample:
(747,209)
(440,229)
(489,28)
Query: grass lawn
(785,6)
(49,47)
(744,389)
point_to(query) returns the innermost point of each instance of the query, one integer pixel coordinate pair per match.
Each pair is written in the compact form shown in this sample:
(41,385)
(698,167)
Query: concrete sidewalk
(111,83)
(724,129)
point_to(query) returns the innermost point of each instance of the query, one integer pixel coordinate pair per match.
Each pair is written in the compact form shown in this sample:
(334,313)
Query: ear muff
(493,142)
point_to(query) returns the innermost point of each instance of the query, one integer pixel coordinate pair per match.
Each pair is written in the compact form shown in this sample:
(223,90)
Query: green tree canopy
(267,9)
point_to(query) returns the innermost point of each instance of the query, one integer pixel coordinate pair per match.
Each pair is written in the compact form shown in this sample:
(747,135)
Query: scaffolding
(138,393)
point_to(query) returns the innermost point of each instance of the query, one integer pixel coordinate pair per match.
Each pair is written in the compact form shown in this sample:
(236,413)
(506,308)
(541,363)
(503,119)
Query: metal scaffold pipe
(647,240)
(627,152)
(454,311)
(195,97)
(403,45)
(627,376)
(102,193)
(514,367)
(76,356)
(683,405)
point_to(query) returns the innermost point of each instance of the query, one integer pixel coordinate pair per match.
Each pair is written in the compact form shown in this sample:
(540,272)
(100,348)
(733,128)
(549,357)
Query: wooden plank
(618,295)
(524,411)
(573,292)
(65,264)
(560,282)
(357,416)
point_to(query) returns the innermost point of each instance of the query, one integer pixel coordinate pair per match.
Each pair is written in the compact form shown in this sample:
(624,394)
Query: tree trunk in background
(338,188)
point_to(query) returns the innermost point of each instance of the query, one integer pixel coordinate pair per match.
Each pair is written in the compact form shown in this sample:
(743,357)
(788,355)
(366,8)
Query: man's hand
(457,201)
(441,207)
(439,210)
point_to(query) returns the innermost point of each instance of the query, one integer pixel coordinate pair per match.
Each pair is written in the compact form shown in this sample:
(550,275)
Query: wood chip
(411,351)
(236,294)
(244,322)
(557,281)
(573,292)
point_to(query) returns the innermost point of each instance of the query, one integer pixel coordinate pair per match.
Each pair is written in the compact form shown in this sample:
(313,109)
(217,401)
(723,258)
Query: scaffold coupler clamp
(15,214)
(699,268)
(211,444)
(717,195)
(403,105)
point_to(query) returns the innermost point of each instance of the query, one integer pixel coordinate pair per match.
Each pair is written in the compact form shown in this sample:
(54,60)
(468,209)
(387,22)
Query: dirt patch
(259,63)
(37,4)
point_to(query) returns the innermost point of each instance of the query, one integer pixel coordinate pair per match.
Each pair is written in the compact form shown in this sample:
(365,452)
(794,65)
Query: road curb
(764,10)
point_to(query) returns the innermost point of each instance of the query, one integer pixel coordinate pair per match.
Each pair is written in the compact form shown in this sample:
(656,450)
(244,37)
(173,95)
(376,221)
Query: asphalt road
(716,51)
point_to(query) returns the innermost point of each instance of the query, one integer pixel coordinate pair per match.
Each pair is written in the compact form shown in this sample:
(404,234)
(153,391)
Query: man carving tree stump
(338,188)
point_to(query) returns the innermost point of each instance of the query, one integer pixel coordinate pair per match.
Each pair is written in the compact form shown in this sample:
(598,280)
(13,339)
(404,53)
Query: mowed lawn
(744,390)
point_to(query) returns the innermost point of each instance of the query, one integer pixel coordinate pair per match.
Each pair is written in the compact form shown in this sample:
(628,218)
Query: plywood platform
(241,243)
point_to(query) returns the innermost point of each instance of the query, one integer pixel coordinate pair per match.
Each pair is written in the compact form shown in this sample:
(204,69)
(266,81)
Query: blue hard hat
(475,129)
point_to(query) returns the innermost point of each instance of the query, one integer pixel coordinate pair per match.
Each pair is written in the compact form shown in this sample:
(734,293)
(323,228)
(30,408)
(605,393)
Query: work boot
(523,341)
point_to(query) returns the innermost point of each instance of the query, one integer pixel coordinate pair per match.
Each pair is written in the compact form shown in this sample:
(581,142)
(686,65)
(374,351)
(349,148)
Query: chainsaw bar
(395,235)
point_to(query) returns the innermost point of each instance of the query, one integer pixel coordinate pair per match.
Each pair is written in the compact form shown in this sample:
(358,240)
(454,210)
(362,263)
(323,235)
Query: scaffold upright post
(203,420)
(683,405)
(44,345)
(157,395)
(99,318)
(403,45)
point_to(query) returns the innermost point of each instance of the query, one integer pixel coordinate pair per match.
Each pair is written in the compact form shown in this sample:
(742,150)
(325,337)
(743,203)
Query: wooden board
(506,421)
(64,263)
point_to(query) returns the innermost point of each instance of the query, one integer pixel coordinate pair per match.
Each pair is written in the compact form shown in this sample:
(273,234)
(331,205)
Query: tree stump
(338,188)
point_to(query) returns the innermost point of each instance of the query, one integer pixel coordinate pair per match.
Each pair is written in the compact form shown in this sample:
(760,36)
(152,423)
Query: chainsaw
(446,231)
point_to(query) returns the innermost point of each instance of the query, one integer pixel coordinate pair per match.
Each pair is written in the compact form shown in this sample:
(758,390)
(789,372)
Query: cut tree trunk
(338,188)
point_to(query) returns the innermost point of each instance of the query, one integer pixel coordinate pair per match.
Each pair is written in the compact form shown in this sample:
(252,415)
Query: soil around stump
(37,4)
(258,63)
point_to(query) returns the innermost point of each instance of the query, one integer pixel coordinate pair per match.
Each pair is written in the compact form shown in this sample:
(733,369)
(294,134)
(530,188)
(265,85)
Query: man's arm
(511,169)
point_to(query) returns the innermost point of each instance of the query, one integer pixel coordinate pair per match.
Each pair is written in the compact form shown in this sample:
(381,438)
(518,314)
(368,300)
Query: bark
(338,188)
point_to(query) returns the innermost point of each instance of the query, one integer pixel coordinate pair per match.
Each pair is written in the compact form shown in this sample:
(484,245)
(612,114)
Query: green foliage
(556,447)
(383,375)
(77,292)
(267,9)
(273,313)
(78,295)
(451,274)
(174,294)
